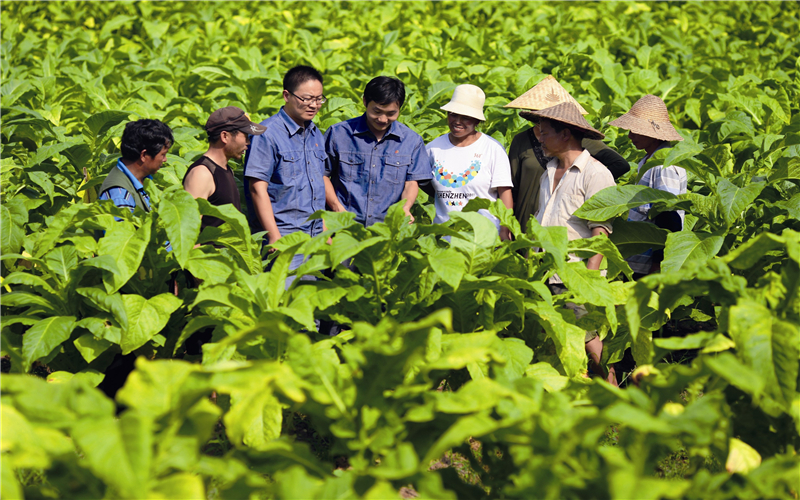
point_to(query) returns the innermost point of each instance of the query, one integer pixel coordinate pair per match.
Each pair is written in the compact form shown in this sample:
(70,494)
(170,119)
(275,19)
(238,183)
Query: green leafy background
(459,375)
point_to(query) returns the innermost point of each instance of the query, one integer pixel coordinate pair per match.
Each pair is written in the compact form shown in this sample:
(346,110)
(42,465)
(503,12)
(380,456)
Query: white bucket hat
(468,101)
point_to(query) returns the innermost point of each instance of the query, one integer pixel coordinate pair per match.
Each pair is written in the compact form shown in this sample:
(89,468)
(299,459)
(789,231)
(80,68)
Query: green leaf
(734,200)
(448,264)
(614,200)
(99,123)
(45,336)
(91,346)
(127,246)
(632,238)
(568,338)
(11,234)
(146,318)
(181,217)
(688,250)
(118,451)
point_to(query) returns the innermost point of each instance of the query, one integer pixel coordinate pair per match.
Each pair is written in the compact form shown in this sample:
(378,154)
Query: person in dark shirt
(525,153)
(210,177)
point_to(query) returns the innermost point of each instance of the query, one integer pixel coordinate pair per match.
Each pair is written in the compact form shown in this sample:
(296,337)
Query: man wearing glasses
(375,161)
(284,168)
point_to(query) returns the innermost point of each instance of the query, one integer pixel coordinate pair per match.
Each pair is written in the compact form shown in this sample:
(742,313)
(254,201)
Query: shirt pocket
(350,166)
(571,203)
(321,158)
(286,172)
(395,167)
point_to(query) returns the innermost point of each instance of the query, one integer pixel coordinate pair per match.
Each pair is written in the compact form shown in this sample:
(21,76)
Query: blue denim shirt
(369,175)
(292,161)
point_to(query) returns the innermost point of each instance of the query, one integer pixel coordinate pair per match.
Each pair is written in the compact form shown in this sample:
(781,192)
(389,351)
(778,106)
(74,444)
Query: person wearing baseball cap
(651,130)
(466,163)
(525,153)
(571,177)
(210,177)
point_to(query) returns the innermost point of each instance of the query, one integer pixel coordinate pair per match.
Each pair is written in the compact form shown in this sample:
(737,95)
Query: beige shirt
(580,182)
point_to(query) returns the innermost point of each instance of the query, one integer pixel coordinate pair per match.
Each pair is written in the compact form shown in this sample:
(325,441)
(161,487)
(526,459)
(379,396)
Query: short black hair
(145,135)
(214,138)
(385,90)
(298,76)
(559,126)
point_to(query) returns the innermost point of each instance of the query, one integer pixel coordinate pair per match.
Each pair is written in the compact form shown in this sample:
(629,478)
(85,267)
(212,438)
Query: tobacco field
(458,374)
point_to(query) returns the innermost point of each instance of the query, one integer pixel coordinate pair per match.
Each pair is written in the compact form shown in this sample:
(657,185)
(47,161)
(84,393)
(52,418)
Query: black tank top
(225,189)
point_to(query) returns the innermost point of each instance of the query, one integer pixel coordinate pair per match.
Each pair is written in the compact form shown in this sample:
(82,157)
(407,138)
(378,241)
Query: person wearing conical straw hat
(572,177)
(525,153)
(651,130)
(466,163)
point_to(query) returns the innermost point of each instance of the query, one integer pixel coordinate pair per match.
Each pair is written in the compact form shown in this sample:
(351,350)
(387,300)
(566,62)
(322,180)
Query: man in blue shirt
(284,168)
(144,147)
(375,161)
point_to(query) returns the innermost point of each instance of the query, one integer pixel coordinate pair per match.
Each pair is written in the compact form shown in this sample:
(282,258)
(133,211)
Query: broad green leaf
(742,458)
(733,200)
(118,451)
(179,485)
(636,237)
(688,250)
(127,245)
(769,346)
(736,373)
(448,264)
(568,338)
(614,200)
(146,318)
(181,217)
(99,123)
(91,346)
(11,234)
(45,336)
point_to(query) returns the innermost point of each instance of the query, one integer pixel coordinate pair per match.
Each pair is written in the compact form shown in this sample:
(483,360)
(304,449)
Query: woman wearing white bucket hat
(650,130)
(466,163)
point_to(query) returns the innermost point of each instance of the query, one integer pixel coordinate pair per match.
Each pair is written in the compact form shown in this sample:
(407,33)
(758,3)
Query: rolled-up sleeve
(420,163)
(597,180)
(261,159)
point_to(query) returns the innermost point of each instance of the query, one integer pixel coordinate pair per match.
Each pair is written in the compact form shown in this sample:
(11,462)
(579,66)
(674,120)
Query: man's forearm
(410,192)
(330,196)
(263,209)
(595,260)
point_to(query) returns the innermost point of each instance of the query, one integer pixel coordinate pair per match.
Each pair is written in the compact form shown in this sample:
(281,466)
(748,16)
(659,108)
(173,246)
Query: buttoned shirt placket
(373,171)
(305,133)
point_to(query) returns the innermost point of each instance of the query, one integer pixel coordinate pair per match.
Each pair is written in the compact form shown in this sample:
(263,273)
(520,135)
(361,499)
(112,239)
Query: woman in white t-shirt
(466,163)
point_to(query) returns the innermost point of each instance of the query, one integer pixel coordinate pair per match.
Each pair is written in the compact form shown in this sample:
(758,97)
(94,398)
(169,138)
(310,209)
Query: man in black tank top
(229,130)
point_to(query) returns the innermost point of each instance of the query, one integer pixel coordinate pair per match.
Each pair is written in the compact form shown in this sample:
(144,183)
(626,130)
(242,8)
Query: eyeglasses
(318,99)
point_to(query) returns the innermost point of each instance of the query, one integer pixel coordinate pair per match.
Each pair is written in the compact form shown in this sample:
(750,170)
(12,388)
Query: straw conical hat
(648,117)
(568,113)
(544,94)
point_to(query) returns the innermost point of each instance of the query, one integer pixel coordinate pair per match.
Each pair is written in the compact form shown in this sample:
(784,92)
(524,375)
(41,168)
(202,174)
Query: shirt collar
(291,126)
(647,157)
(136,183)
(360,127)
(580,162)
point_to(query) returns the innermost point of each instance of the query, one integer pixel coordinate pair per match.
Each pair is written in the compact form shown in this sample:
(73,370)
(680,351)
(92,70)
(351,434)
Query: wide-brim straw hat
(467,100)
(649,117)
(544,94)
(568,113)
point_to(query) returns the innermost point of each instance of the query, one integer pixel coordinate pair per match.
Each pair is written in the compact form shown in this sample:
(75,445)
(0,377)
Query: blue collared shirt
(123,198)
(369,175)
(291,159)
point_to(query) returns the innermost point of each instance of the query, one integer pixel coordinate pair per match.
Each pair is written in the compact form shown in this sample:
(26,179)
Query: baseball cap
(232,118)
